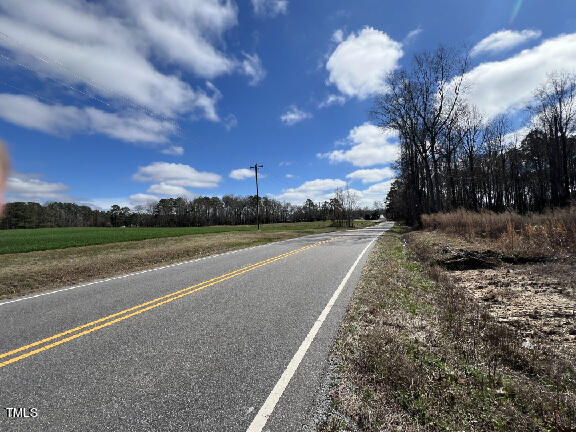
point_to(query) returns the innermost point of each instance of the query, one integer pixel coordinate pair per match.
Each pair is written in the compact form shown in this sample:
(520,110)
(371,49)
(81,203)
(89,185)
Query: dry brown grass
(418,353)
(25,273)
(547,233)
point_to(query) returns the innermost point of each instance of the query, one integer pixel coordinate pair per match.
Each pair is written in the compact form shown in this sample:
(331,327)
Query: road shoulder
(33,272)
(418,352)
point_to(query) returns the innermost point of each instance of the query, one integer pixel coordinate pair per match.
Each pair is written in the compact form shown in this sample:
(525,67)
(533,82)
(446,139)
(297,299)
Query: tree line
(452,157)
(180,212)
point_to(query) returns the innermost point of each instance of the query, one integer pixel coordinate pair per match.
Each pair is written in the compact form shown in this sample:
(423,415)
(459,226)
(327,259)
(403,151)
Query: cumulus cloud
(360,63)
(253,69)
(316,190)
(504,40)
(320,190)
(332,100)
(516,137)
(270,8)
(174,174)
(294,115)
(143,199)
(30,113)
(368,146)
(105,203)
(338,36)
(376,192)
(173,151)
(169,190)
(501,86)
(241,174)
(29,187)
(372,175)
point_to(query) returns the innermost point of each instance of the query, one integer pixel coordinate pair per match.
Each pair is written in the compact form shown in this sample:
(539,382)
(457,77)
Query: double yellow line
(39,346)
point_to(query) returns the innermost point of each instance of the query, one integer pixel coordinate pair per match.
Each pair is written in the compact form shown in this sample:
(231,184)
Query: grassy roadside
(25,273)
(29,240)
(418,353)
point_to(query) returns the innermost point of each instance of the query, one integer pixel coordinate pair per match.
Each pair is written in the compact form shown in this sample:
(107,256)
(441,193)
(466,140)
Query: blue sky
(126,102)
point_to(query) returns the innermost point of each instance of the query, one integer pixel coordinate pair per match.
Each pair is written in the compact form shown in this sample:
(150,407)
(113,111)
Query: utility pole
(255,168)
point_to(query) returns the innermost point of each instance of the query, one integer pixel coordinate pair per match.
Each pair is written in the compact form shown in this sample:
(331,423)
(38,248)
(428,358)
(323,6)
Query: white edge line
(99,281)
(266,410)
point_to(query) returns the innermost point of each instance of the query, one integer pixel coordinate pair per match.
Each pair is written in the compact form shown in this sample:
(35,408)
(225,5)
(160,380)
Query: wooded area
(179,212)
(452,157)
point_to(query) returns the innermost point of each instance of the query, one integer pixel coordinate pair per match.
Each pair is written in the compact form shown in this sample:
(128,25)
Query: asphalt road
(233,342)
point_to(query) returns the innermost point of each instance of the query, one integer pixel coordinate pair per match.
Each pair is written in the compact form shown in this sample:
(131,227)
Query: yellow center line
(130,309)
(143,307)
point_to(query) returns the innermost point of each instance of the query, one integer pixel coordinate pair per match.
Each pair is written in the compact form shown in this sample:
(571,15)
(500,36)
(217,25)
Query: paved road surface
(233,342)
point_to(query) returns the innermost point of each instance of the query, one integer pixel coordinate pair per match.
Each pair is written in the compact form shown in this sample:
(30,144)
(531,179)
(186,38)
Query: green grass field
(28,240)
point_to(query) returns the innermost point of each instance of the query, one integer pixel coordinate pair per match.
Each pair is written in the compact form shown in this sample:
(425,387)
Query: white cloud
(504,40)
(359,64)
(230,122)
(252,68)
(169,190)
(138,128)
(270,8)
(174,174)
(516,137)
(142,199)
(332,100)
(241,174)
(289,176)
(320,190)
(285,163)
(173,151)
(186,32)
(498,87)
(29,187)
(105,203)
(81,42)
(412,34)
(370,146)
(338,36)
(28,112)
(372,175)
(294,115)
(207,103)
(316,190)
(376,192)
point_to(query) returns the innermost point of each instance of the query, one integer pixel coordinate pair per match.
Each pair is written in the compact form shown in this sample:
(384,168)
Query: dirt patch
(538,300)
(535,294)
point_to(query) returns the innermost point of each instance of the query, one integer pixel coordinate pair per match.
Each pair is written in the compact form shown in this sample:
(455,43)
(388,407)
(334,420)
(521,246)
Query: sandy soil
(536,298)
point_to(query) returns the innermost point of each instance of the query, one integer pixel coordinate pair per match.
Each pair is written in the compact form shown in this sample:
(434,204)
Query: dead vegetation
(543,234)
(24,273)
(534,295)
(420,352)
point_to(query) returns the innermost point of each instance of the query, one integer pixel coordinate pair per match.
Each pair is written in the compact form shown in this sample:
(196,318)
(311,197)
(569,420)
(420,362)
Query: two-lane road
(232,342)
